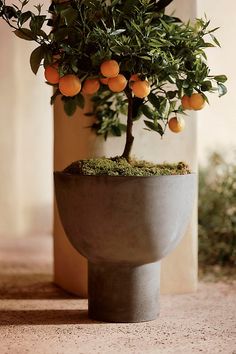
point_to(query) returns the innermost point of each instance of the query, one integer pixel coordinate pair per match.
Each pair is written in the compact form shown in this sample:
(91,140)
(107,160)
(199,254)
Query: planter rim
(74,175)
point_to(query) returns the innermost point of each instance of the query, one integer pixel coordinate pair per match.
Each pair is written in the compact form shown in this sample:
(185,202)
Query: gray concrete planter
(124,226)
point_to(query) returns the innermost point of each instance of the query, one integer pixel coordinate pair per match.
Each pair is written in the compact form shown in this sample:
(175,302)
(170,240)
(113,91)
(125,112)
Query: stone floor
(37,317)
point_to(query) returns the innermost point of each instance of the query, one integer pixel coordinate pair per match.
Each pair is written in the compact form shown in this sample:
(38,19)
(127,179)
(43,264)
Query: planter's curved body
(124,226)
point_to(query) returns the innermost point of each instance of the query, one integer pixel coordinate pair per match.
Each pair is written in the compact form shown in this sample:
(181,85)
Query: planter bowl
(124,226)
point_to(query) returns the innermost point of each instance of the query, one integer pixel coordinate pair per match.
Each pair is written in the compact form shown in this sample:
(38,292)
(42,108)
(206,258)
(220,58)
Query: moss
(118,166)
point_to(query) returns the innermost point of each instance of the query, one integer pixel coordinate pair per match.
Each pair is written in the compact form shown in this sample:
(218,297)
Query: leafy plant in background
(133,59)
(217,212)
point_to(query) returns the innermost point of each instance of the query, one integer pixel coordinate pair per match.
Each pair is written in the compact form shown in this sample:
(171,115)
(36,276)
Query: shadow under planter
(124,226)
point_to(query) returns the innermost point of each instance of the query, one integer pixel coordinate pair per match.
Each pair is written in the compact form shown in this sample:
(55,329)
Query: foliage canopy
(140,36)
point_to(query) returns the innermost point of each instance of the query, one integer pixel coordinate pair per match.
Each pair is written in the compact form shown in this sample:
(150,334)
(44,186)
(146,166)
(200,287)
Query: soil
(39,318)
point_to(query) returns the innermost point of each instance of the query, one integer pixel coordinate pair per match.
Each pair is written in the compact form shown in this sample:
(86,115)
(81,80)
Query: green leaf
(116,130)
(136,27)
(43,34)
(36,23)
(145,57)
(70,106)
(61,34)
(206,86)
(9,12)
(147,111)
(205,97)
(57,93)
(154,100)
(163,105)
(35,59)
(117,32)
(215,40)
(69,15)
(80,100)
(24,17)
(171,94)
(208,45)
(25,33)
(155,127)
(221,78)
(213,30)
(221,89)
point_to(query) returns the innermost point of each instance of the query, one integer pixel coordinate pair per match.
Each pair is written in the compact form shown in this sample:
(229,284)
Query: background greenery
(217,214)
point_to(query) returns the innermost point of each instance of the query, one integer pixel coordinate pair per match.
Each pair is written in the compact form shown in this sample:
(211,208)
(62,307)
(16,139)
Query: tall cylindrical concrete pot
(124,226)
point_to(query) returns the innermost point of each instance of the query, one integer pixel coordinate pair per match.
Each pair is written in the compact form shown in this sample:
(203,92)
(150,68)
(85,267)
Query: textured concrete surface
(128,247)
(37,317)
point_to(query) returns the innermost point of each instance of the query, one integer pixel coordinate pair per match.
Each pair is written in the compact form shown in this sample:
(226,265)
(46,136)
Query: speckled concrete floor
(37,317)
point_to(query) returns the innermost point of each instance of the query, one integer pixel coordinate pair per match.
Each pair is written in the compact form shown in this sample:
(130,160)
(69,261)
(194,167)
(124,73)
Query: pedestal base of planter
(123,293)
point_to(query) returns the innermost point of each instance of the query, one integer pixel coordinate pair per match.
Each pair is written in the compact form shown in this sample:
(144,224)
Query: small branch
(19,29)
(129,136)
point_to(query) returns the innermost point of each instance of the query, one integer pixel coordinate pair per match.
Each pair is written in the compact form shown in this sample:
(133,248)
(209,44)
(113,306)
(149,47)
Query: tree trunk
(129,136)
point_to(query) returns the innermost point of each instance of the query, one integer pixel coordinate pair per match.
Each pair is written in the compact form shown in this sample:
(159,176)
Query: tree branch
(129,136)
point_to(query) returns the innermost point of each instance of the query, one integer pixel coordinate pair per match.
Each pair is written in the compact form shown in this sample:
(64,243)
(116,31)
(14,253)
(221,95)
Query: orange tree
(133,58)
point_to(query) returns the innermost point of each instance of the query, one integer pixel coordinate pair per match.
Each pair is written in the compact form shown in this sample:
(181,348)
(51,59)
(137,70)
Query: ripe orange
(69,85)
(117,84)
(51,74)
(141,88)
(197,101)
(104,80)
(176,125)
(91,86)
(185,101)
(110,68)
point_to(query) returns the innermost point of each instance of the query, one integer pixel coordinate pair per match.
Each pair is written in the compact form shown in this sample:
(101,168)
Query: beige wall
(26,131)
(217,122)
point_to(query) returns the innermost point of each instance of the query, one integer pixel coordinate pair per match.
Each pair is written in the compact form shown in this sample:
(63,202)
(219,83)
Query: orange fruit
(104,80)
(110,68)
(91,86)
(51,74)
(69,85)
(185,101)
(176,125)
(197,101)
(118,83)
(141,88)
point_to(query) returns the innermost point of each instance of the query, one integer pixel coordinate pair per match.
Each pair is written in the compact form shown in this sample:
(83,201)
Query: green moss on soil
(118,166)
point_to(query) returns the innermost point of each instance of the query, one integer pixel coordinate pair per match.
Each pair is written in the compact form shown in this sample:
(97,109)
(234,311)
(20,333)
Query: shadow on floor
(44,317)
(30,286)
